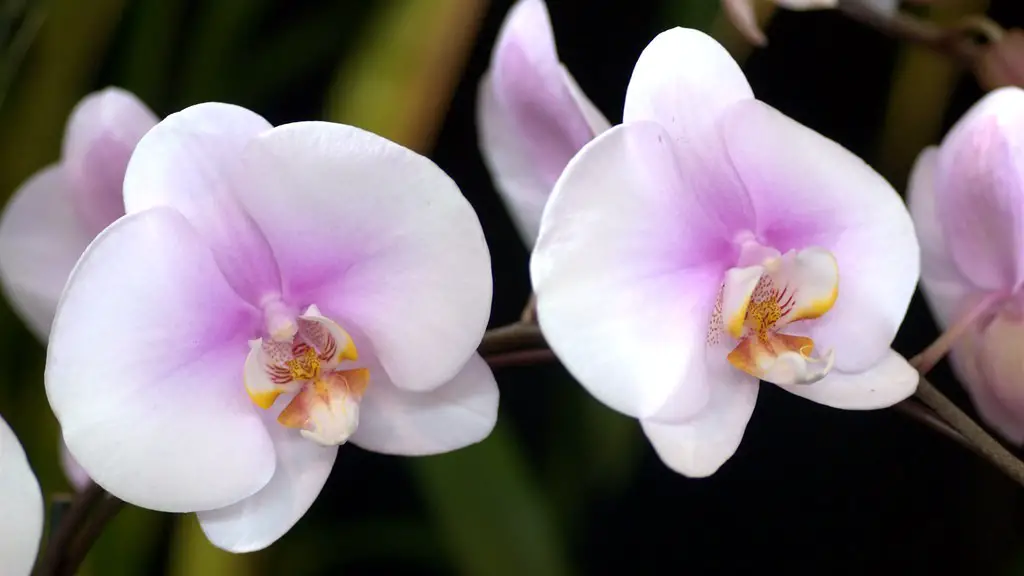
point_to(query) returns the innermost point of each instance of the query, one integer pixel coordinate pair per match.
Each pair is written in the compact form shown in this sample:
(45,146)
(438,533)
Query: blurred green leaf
(191,554)
(145,61)
(490,511)
(130,544)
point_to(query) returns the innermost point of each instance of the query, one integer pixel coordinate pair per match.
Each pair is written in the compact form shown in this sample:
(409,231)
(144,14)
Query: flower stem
(516,336)
(520,357)
(64,533)
(980,441)
(954,41)
(937,350)
(105,511)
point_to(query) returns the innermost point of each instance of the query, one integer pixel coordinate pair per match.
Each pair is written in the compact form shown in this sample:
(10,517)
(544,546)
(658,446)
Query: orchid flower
(271,294)
(54,215)
(698,247)
(742,14)
(967,200)
(21,526)
(532,116)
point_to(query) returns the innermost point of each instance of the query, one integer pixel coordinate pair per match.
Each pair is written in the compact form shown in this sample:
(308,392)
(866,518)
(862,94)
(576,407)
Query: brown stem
(529,315)
(104,512)
(65,532)
(516,336)
(983,443)
(520,358)
(954,42)
(912,407)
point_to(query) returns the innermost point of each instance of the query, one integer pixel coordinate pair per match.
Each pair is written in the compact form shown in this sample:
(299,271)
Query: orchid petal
(73,471)
(685,80)
(101,135)
(807,4)
(812,192)
(41,238)
(999,362)
(377,236)
(890,381)
(532,116)
(744,17)
(191,162)
(992,388)
(625,274)
(455,415)
(261,519)
(944,286)
(144,370)
(980,183)
(698,446)
(21,500)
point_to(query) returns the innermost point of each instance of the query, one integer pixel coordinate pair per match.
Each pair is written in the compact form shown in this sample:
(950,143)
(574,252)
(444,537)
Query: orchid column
(271,294)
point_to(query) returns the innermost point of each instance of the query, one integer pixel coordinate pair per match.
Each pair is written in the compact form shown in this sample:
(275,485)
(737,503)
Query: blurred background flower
(563,485)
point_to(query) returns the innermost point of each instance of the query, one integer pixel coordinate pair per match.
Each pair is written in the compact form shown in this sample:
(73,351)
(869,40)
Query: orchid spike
(710,242)
(531,114)
(271,294)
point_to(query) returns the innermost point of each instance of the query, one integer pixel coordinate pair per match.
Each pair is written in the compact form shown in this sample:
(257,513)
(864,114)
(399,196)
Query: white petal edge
(452,416)
(21,500)
(303,467)
(890,381)
(698,446)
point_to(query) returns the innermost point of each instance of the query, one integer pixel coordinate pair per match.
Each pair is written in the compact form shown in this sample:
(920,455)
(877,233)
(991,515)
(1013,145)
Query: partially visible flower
(21,501)
(54,215)
(743,16)
(967,200)
(271,294)
(698,247)
(531,114)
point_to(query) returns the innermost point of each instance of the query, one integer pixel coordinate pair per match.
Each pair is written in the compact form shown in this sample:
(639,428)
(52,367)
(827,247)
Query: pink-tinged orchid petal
(102,132)
(626,273)
(378,237)
(73,471)
(888,382)
(969,364)
(144,370)
(697,446)
(261,519)
(813,192)
(944,286)
(532,116)
(455,415)
(685,80)
(807,4)
(978,193)
(21,525)
(192,162)
(41,238)
(1000,368)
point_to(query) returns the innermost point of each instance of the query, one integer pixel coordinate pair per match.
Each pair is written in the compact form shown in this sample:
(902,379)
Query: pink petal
(699,445)
(453,416)
(191,162)
(41,238)
(380,239)
(685,80)
(994,411)
(890,381)
(626,272)
(980,191)
(944,286)
(1000,372)
(809,191)
(261,519)
(101,134)
(21,525)
(144,370)
(744,17)
(531,114)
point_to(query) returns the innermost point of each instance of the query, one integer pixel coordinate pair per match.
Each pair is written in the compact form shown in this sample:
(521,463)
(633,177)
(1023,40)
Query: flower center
(757,302)
(304,358)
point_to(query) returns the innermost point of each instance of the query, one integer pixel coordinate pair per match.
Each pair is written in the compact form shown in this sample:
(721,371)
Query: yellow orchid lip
(757,302)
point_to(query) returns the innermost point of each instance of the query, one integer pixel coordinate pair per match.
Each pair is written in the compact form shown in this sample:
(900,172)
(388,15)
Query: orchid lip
(756,302)
(307,363)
